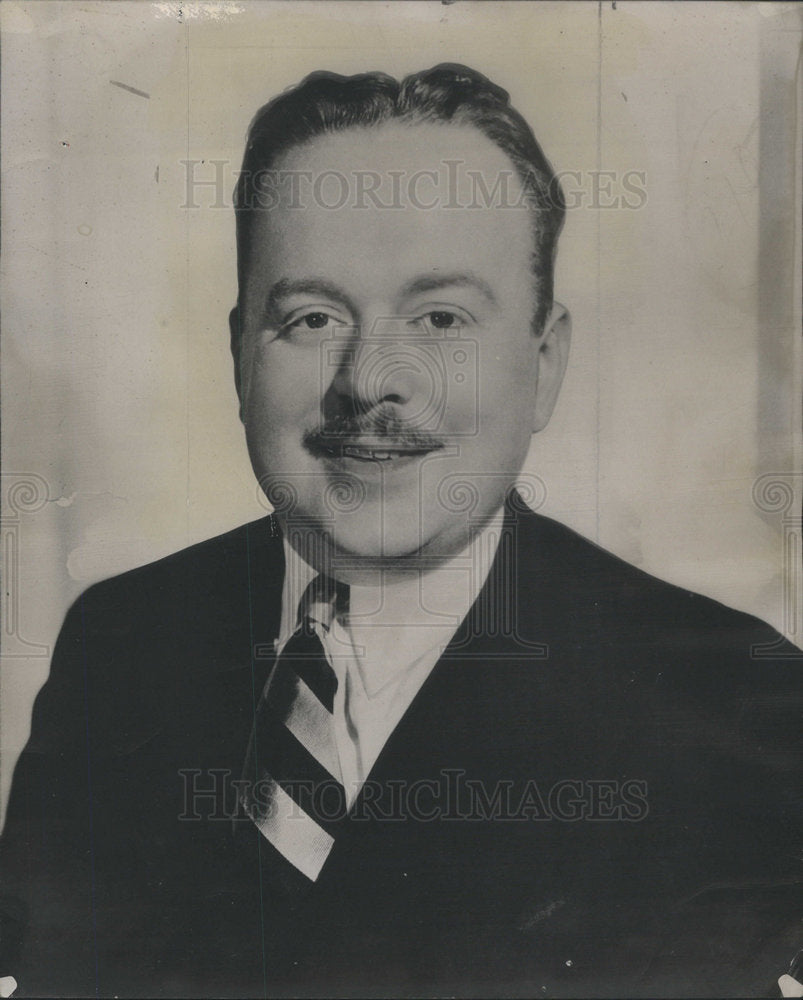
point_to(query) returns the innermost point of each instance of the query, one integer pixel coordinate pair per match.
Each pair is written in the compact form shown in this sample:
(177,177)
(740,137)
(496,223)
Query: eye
(441,319)
(313,321)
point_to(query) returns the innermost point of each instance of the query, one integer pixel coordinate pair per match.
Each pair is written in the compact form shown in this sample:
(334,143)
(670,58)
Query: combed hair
(451,94)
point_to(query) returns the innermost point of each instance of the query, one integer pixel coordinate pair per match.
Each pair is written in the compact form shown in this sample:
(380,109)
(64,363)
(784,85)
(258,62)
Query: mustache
(383,426)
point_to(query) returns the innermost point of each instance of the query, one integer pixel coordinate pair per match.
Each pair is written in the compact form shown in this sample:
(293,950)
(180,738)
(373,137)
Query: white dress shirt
(384,649)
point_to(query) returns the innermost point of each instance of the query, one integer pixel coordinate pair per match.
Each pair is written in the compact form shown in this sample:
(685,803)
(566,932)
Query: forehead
(369,208)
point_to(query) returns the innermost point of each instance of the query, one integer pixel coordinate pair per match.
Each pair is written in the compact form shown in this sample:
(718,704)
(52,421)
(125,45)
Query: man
(403,736)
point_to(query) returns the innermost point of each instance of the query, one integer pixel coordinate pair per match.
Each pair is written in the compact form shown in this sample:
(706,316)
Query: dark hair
(327,102)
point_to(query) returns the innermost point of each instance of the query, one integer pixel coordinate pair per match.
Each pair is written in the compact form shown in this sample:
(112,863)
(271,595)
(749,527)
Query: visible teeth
(379,456)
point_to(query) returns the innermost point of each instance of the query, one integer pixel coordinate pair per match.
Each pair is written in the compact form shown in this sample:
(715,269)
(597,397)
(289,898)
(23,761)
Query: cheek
(277,392)
(508,376)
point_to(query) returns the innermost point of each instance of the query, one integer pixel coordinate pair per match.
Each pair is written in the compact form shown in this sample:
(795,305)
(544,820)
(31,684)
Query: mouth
(367,450)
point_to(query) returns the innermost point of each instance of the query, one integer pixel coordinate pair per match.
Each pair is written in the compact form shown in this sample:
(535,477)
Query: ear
(553,355)
(235,341)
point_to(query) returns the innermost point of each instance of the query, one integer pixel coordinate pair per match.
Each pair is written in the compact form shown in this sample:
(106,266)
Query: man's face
(389,376)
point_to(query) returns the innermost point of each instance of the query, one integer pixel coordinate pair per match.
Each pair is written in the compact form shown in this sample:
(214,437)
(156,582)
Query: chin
(384,542)
(397,544)
(350,535)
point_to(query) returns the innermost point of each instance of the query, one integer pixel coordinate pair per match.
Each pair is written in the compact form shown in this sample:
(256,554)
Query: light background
(119,410)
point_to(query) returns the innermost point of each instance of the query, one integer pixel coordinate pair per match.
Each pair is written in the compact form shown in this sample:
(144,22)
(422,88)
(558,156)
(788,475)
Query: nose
(394,365)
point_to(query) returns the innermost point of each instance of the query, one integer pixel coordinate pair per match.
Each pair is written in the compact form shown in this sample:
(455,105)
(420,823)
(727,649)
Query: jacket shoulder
(205,568)
(605,590)
(133,646)
(684,651)
(190,613)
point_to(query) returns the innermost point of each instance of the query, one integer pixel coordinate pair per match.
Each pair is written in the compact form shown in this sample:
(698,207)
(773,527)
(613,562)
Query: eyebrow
(285,287)
(433,283)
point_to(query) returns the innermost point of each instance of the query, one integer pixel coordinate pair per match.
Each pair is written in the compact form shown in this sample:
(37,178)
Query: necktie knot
(324,600)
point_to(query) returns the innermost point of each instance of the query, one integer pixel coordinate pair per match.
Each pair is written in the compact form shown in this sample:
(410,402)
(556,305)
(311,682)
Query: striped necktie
(292,785)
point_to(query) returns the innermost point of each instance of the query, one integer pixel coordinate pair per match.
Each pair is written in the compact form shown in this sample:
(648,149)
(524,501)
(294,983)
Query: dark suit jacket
(596,792)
